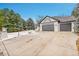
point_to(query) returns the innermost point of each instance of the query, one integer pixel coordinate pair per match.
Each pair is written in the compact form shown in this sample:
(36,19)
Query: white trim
(72,26)
(56,26)
(40,27)
(48,19)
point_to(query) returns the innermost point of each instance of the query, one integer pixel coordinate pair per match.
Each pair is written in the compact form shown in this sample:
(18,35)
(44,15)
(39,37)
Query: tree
(75,13)
(30,24)
(24,24)
(11,20)
(39,19)
(1,20)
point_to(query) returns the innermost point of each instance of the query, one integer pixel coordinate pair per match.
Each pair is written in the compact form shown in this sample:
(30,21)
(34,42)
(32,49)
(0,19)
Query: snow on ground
(17,34)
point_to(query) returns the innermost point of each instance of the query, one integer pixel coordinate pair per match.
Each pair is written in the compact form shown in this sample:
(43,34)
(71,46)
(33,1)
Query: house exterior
(58,23)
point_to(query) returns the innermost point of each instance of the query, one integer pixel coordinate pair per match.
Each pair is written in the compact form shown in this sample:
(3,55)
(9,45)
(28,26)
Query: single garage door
(65,26)
(48,27)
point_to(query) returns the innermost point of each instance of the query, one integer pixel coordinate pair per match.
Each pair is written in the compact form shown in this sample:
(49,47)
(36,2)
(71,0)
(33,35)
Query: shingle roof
(64,18)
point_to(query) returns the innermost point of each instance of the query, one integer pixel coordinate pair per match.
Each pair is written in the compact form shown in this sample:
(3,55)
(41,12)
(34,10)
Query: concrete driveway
(43,44)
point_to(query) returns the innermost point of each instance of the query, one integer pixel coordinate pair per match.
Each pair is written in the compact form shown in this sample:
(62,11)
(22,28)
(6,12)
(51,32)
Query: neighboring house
(57,23)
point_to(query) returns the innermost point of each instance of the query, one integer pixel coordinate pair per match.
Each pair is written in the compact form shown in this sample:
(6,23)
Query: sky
(33,10)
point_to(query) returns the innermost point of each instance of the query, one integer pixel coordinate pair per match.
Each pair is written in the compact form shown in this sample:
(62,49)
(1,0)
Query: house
(58,23)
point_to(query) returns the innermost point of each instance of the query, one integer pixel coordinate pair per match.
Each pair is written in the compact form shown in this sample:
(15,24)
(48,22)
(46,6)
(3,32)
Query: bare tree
(39,19)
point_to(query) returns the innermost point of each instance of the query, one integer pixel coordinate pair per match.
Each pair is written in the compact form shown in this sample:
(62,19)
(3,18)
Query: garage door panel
(65,27)
(48,27)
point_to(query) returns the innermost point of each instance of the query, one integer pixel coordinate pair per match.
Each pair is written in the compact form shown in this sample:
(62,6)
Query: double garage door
(63,27)
(48,27)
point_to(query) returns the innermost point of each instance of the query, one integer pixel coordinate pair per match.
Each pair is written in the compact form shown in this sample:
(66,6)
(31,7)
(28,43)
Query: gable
(48,19)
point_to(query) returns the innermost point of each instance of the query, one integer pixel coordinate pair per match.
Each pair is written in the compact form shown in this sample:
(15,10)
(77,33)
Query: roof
(62,18)
(65,18)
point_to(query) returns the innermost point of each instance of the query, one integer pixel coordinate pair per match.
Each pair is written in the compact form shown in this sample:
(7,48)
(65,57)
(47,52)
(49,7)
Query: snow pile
(17,34)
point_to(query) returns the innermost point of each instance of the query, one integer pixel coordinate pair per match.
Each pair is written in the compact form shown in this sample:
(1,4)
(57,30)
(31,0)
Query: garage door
(65,27)
(48,27)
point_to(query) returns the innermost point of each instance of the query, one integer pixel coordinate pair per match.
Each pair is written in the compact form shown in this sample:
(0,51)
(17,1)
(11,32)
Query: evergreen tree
(30,24)
(75,13)
(11,20)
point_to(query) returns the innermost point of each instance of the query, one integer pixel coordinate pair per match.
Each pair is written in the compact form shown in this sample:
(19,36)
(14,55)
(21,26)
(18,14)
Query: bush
(0,29)
(12,30)
(76,27)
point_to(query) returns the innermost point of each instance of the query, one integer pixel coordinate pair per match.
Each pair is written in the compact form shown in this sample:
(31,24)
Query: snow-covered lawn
(18,34)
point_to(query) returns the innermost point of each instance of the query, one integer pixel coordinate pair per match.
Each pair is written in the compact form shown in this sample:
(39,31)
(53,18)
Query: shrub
(76,27)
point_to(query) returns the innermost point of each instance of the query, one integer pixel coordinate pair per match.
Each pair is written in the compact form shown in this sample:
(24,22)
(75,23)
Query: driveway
(43,44)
